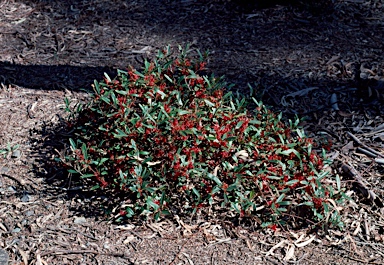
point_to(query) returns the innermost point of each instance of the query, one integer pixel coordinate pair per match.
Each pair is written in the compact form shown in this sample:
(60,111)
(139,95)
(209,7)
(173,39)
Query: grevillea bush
(173,141)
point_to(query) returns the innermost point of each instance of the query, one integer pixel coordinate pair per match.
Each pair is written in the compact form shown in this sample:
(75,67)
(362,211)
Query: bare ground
(324,63)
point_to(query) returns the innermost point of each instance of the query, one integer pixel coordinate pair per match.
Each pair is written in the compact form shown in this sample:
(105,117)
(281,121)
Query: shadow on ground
(66,45)
(48,77)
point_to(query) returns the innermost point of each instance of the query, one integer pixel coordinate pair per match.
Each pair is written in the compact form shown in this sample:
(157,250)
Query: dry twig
(369,194)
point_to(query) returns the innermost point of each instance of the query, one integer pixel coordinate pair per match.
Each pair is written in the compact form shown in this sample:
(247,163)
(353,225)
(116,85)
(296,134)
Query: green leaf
(73,144)
(322,175)
(182,112)
(144,153)
(96,87)
(306,204)
(289,151)
(209,103)
(119,134)
(255,122)
(284,203)
(168,78)
(291,182)
(122,72)
(87,176)
(238,125)
(152,204)
(101,128)
(130,212)
(104,159)
(319,216)
(196,192)
(146,65)
(214,178)
(161,93)
(157,216)
(338,182)
(226,200)
(84,151)
(232,187)
(191,131)
(105,99)
(121,92)
(300,133)
(281,197)
(275,177)
(95,187)
(165,212)
(114,99)
(235,207)
(266,224)
(207,81)
(107,77)
(112,114)
(192,74)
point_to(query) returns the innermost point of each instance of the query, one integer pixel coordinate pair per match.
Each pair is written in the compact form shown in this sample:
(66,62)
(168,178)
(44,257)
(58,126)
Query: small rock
(79,220)
(16,154)
(25,198)
(3,257)
(11,189)
(30,213)
(4,169)
(16,230)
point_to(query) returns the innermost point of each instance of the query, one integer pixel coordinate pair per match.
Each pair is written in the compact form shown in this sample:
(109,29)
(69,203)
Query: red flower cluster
(167,134)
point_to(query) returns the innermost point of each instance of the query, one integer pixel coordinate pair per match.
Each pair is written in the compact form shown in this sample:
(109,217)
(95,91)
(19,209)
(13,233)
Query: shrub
(172,140)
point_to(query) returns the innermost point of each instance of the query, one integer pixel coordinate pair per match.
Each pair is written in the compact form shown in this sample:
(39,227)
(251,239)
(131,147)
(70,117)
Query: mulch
(324,63)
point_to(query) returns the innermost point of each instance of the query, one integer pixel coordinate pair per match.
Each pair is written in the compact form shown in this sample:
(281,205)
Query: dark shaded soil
(324,62)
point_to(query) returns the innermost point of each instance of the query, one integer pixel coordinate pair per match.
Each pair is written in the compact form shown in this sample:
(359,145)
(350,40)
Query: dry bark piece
(369,194)
(364,145)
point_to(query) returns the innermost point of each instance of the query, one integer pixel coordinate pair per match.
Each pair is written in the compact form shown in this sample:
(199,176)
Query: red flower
(150,79)
(200,93)
(187,63)
(190,164)
(122,213)
(176,166)
(225,154)
(308,189)
(317,202)
(272,169)
(202,66)
(224,187)
(195,149)
(312,157)
(320,164)
(133,77)
(299,176)
(167,108)
(273,227)
(218,94)
(242,213)
(138,124)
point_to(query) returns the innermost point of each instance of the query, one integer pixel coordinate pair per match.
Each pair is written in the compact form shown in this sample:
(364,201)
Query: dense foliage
(172,140)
